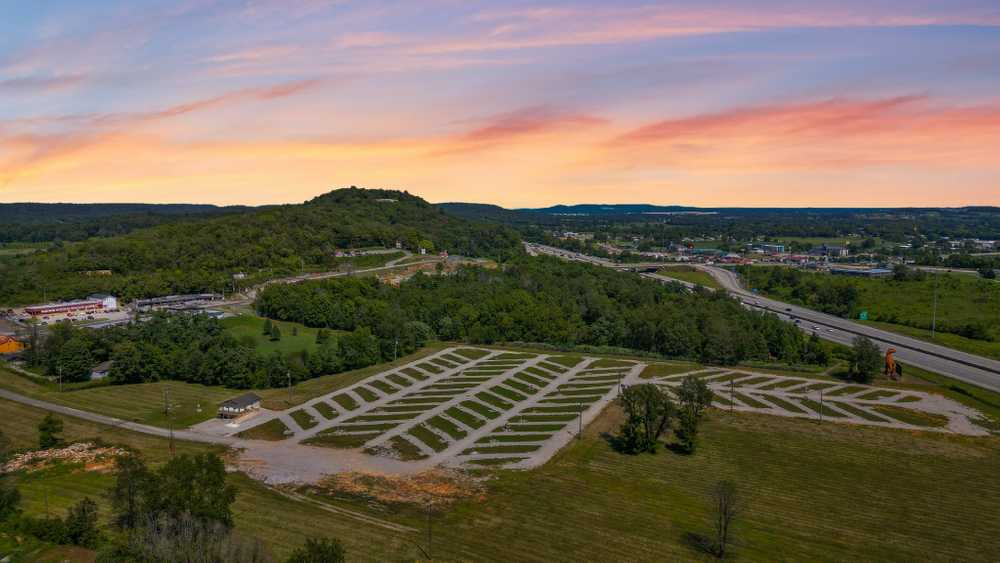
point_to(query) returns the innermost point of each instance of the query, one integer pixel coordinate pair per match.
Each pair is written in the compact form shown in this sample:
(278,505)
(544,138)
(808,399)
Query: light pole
(60,378)
(289,373)
(579,432)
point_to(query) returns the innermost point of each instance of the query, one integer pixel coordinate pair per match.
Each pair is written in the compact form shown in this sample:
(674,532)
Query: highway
(976,370)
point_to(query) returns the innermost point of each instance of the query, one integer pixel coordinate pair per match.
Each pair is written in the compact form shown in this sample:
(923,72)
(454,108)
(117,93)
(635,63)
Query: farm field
(814,492)
(692,275)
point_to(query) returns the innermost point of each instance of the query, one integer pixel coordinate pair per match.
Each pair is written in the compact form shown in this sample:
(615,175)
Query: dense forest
(202,254)
(543,300)
(59,222)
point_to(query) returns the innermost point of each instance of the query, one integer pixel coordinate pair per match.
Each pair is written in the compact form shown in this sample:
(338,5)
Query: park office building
(239,406)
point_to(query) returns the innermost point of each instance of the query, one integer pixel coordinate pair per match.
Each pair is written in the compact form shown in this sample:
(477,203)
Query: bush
(48,432)
(325,550)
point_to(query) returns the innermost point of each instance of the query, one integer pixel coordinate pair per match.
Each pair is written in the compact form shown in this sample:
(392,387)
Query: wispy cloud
(834,133)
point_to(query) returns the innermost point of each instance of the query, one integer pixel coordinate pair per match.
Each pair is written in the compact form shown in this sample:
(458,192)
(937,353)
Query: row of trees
(198,349)
(548,301)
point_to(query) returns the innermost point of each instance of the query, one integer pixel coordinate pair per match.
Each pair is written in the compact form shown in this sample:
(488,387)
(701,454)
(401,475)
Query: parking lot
(464,406)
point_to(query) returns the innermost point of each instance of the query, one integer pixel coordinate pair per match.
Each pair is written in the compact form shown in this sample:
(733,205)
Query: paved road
(116,422)
(969,368)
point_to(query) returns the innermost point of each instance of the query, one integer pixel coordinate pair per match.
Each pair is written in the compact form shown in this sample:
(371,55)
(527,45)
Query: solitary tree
(129,495)
(322,335)
(267,327)
(694,397)
(648,411)
(325,550)
(727,506)
(866,359)
(275,333)
(48,432)
(81,523)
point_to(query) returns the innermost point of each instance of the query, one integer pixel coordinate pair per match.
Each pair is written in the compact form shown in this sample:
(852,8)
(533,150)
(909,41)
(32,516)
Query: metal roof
(241,402)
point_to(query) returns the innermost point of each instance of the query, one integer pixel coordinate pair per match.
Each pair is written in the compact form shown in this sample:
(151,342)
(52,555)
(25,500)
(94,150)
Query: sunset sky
(695,102)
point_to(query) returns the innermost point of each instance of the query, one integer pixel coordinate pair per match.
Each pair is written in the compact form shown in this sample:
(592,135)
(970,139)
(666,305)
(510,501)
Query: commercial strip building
(97,303)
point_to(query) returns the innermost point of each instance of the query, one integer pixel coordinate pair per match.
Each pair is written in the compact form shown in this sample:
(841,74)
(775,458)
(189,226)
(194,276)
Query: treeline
(895,225)
(58,222)
(835,295)
(197,349)
(201,254)
(547,301)
(904,298)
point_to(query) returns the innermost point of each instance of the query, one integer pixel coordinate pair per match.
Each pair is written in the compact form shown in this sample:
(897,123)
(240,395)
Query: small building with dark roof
(101,370)
(239,406)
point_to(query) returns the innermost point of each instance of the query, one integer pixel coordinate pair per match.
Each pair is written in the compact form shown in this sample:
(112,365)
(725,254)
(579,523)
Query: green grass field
(813,493)
(691,275)
(243,326)
(143,402)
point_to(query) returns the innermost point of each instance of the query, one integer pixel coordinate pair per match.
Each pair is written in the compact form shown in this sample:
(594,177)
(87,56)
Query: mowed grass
(242,326)
(272,431)
(278,399)
(190,403)
(813,493)
(690,274)
(662,369)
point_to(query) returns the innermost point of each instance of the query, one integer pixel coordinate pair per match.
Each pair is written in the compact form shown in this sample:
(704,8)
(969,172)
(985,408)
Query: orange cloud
(834,133)
(517,125)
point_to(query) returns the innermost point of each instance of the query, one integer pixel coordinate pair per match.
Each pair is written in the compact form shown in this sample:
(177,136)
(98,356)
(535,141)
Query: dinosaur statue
(892,369)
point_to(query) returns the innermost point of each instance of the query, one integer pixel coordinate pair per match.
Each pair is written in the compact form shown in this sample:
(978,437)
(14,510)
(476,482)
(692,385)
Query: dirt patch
(437,487)
(92,457)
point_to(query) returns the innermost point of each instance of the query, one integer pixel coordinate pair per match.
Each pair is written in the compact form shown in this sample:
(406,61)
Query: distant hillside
(42,222)
(200,253)
(486,212)
(610,209)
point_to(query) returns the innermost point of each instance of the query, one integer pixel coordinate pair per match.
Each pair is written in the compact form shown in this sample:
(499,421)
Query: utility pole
(289,372)
(170,420)
(60,378)
(579,432)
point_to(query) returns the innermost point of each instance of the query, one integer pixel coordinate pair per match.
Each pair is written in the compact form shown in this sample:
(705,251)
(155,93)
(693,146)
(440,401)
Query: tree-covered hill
(201,254)
(44,222)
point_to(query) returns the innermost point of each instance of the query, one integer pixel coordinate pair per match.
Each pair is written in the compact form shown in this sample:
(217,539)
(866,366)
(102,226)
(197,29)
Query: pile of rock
(82,452)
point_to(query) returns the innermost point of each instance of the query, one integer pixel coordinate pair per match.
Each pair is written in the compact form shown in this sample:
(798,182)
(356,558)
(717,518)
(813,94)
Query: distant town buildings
(176,302)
